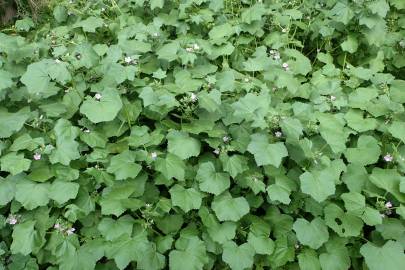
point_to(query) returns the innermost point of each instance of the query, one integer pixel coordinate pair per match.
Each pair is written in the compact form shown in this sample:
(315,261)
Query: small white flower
(102,9)
(332,98)
(382,215)
(216,151)
(98,96)
(57,61)
(196,47)
(255,179)
(285,65)
(128,60)
(153,155)
(86,130)
(37,156)
(274,88)
(57,226)
(388,158)
(284,30)
(148,205)
(12,220)
(272,52)
(388,205)
(41,117)
(193,97)
(246,80)
(226,139)
(278,134)
(318,50)
(70,231)
(189,49)
(297,246)
(78,56)
(156,34)
(276,56)
(402,43)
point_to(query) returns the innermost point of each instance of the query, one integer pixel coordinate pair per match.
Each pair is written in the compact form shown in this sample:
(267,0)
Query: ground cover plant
(204,134)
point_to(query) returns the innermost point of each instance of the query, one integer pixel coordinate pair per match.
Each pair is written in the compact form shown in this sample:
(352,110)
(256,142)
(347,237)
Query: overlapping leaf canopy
(204,134)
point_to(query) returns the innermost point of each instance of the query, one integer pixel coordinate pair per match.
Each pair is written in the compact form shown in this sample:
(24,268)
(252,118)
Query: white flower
(86,130)
(12,220)
(98,96)
(189,49)
(57,61)
(255,179)
(297,246)
(246,80)
(128,60)
(285,65)
(196,47)
(276,56)
(332,98)
(284,30)
(402,43)
(193,97)
(216,151)
(70,231)
(278,134)
(388,158)
(148,205)
(388,205)
(37,156)
(382,215)
(153,155)
(57,226)
(226,139)
(102,9)
(156,34)
(272,52)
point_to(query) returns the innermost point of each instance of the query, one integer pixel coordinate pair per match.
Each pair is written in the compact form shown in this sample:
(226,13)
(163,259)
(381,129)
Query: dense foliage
(204,134)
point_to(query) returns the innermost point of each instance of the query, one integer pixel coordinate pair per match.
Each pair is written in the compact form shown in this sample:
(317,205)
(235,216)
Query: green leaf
(103,110)
(168,51)
(171,167)
(38,76)
(123,165)
(7,190)
(12,122)
(238,257)
(265,153)
(332,130)
(62,192)
(227,208)
(319,184)
(90,24)
(312,234)
(66,146)
(292,128)
(32,195)
(344,224)
(220,33)
(25,238)
(350,44)
(262,244)
(308,260)
(113,229)
(6,80)
(127,249)
(234,164)
(190,254)
(389,256)
(397,129)
(389,180)
(367,151)
(186,199)
(211,181)
(182,145)
(14,163)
